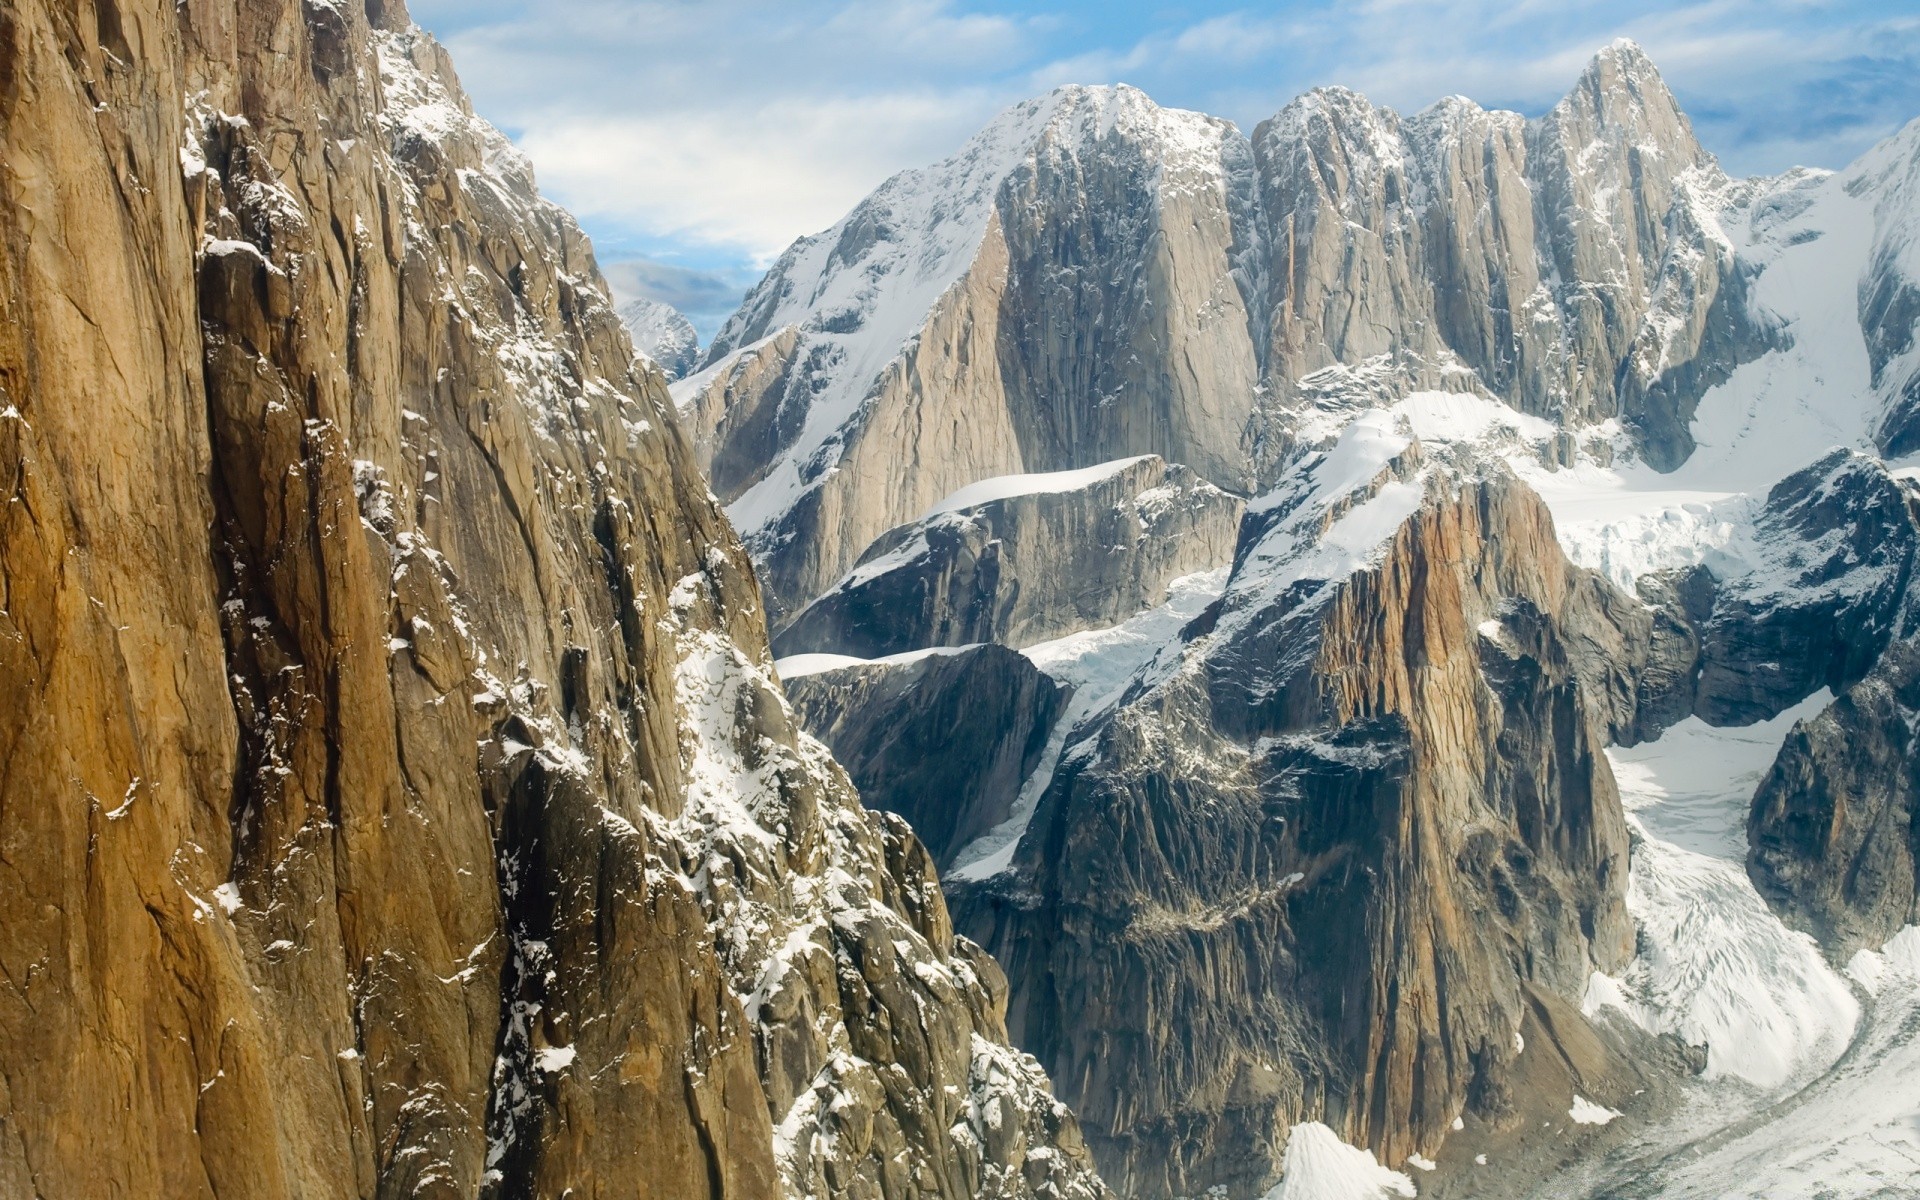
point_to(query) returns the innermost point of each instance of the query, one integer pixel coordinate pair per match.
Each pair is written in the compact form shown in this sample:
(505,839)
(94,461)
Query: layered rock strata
(398,799)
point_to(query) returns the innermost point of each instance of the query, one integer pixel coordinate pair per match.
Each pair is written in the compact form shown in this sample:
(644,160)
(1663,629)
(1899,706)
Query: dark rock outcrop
(1025,568)
(943,741)
(1833,840)
(397,799)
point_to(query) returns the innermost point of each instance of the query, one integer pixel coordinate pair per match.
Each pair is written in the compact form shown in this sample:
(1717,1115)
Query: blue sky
(696,138)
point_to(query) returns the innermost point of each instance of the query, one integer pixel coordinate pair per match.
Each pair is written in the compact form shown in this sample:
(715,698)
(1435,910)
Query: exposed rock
(1311,864)
(1810,597)
(1890,292)
(1094,277)
(1065,291)
(1833,839)
(398,800)
(1479,250)
(1024,560)
(944,740)
(662,334)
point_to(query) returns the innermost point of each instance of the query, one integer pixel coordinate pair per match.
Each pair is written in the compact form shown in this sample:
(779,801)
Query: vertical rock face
(943,740)
(1311,864)
(1833,842)
(945,332)
(1023,559)
(398,797)
(1890,292)
(1571,265)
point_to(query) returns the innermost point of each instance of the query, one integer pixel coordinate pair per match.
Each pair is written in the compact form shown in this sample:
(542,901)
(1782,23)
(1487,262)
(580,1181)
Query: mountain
(398,796)
(1094,277)
(1473,803)
(662,334)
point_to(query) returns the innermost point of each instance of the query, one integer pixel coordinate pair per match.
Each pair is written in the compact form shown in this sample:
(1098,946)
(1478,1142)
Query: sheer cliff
(398,799)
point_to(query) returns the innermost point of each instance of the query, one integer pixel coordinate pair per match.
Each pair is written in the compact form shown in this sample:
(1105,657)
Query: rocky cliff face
(944,331)
(1024,559)
(1569,265)
(944,739)
(1832,834)
(1312,863)
(399,800)
(1809,597)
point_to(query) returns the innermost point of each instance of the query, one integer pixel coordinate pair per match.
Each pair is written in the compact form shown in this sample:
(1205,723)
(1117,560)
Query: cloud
(739,124)
(713,132)
(705,297)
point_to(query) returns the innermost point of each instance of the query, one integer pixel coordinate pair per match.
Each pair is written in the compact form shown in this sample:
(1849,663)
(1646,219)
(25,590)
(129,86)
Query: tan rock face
(397,799)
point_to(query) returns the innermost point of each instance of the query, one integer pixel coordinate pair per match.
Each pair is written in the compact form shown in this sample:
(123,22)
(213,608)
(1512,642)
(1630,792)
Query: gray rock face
(398,800)
(1515,257)
(1087,550)
(943,741)
(1816,593)
(947,330)
(1094,277)
(1307,868)
(1832,838)
(662,334)
(1890,293)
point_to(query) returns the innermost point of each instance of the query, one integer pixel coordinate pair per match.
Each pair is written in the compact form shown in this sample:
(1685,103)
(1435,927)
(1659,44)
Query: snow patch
(1319,1166)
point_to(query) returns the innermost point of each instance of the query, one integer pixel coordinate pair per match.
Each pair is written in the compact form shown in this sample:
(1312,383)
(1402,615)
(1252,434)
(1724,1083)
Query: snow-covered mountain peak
(660,332)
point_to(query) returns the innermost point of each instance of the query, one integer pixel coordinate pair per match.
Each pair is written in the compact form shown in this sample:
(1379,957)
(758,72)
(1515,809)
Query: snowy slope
(662,334)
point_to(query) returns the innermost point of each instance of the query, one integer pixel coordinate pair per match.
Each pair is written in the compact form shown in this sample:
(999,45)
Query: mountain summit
(1093,277)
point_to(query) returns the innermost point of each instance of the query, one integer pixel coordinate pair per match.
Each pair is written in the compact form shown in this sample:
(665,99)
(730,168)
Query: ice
(1715,965)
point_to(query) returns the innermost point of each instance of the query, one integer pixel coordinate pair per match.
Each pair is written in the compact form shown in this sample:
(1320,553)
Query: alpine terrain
(1375,658)
(1398,632)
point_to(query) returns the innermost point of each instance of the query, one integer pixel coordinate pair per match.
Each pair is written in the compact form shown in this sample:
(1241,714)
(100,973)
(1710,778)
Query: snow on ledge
(795,666)
(1004,487)
(1319,1166)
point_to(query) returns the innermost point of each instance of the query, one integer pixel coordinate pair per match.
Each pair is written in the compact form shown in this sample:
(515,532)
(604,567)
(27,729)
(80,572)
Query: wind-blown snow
(1715,965)
(1319,1166)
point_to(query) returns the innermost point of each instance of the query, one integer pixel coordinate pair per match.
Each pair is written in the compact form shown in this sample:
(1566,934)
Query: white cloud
(734,126)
